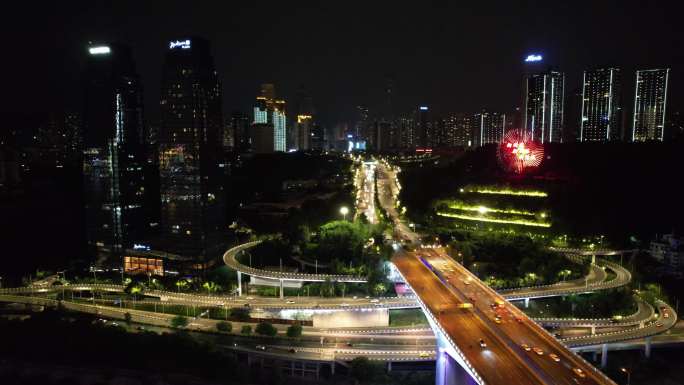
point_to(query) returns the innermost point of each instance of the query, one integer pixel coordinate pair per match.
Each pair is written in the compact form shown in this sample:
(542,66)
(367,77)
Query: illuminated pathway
(365,191)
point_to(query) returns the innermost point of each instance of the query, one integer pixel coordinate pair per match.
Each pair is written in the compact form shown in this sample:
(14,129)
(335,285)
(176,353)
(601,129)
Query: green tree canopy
(179,322)
(224,326)
(294,331)
(342,240)
(266,329)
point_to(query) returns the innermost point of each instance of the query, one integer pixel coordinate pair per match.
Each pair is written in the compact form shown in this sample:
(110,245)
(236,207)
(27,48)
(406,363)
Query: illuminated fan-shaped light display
(516,153)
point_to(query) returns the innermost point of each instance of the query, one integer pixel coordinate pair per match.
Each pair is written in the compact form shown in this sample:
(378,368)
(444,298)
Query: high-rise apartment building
(191,163)
(303,130)
(650,101)
(544,101)
(269,110)
(406,128)
(239,125)
(488,127)
(113,151)
(423,127)
(601,105)
(362,123)
(458,130)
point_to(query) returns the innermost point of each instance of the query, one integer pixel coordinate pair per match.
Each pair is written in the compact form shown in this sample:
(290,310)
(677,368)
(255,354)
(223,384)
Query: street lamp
(344,211)
(628,373)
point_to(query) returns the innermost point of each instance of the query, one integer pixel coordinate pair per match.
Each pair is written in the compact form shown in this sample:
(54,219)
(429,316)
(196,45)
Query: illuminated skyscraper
(544,101)
(488,127)
(269,110)
(191,163)
(458,130)
(113,150)
(303,129)
(406,128)
(423,127)
(650,101)
(362,123)
(279,126)
(601,107)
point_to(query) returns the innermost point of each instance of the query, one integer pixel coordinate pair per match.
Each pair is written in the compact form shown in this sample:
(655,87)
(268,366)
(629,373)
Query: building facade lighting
(100,50)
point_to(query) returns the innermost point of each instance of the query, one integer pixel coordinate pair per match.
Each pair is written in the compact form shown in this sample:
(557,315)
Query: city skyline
(364,193)
(416,82)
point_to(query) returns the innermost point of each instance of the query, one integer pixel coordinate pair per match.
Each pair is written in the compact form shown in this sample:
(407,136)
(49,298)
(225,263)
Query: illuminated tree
(182,284)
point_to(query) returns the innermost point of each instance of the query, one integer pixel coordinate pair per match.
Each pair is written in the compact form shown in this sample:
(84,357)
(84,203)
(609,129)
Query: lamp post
(344,211)
(628,373)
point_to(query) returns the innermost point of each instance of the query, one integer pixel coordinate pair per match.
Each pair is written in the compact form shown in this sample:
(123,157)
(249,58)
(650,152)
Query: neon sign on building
(182,44)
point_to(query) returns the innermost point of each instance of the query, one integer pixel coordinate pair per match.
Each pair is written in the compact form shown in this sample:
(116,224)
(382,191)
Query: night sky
(451,55)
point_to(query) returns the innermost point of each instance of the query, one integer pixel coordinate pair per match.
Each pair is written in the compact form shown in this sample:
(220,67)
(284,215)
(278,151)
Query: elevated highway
(486,339)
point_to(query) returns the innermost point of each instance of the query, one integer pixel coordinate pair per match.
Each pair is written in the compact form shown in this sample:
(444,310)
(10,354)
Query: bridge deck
(503,361)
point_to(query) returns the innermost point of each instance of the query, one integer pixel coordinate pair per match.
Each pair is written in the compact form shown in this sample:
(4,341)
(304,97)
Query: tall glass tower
(544,100)
(114,151)
(650,101)
(601,105)
(270,113)
(191,166)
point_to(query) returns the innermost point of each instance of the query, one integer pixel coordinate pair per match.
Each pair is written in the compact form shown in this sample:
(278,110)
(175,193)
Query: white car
(375,300)
(290,301)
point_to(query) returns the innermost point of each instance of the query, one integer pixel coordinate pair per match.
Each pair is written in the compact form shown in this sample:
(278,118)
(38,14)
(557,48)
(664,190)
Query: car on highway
(497,320)
(518,319)
(659,324)
(344,305)
(292,350)
(290,301)
(260,347)
(374,300)
(538,351)
(250,298)
(483,344)
(579,372)
(423,354)
(526,347)
(554,357)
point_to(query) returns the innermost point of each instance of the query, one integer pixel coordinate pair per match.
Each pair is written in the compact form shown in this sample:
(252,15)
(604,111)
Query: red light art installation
(516,153)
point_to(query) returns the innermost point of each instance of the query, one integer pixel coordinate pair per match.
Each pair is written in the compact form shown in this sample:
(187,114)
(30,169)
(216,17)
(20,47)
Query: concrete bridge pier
(527,303)
(604,355)
(449,372)
(239,279)
(282,294)
(647,347)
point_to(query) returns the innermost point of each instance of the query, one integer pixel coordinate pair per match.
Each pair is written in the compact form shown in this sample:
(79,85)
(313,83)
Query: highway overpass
(480,338)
